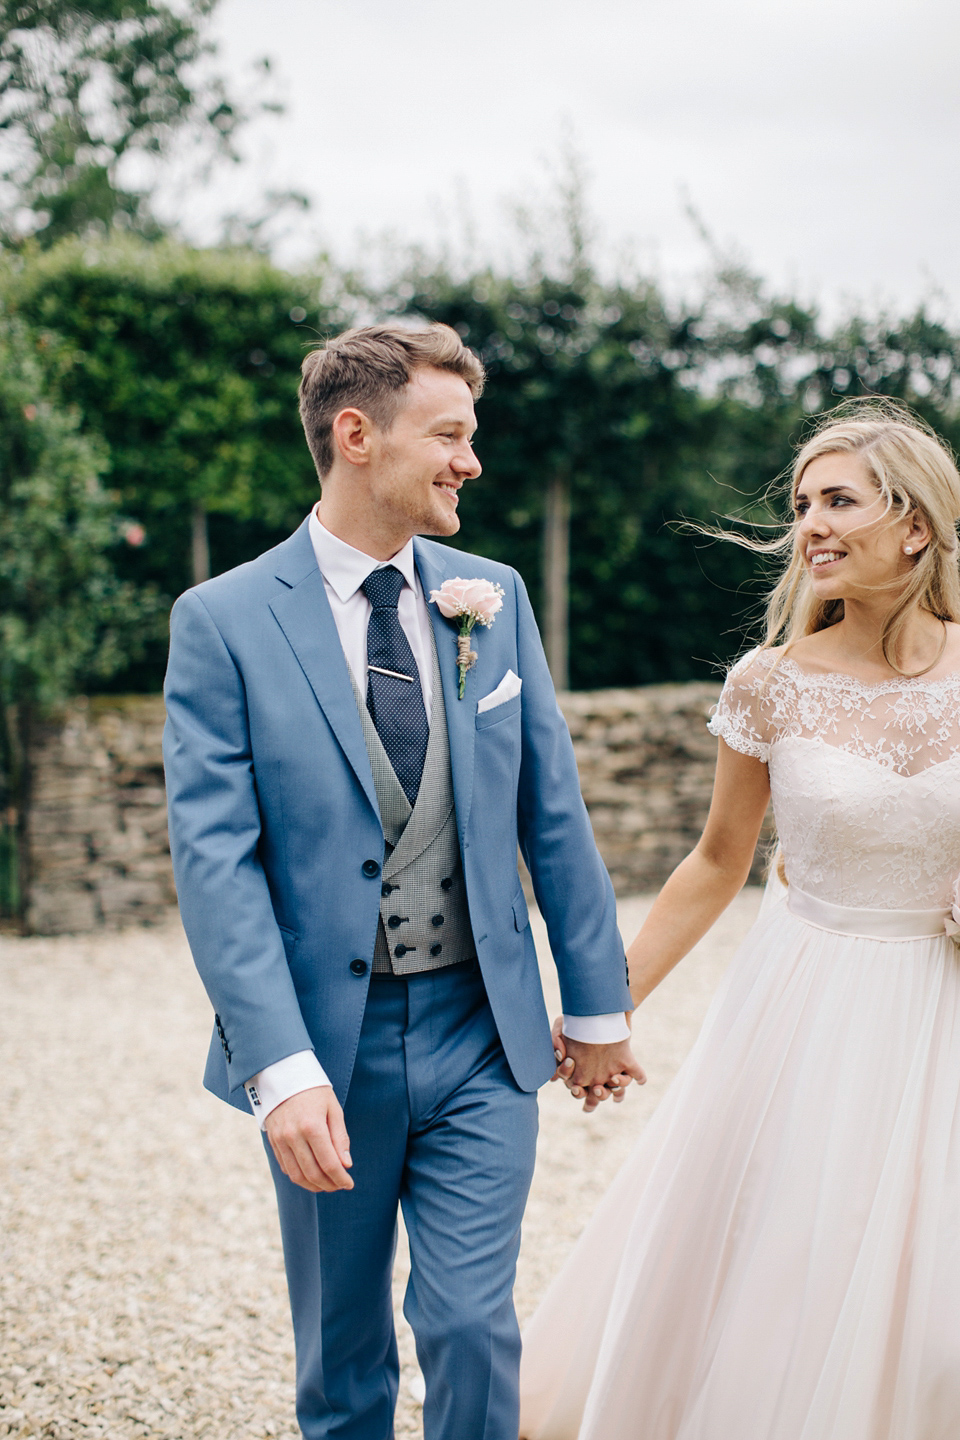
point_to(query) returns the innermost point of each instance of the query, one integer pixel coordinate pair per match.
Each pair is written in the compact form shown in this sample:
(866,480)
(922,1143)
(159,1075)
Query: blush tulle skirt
(779,1259)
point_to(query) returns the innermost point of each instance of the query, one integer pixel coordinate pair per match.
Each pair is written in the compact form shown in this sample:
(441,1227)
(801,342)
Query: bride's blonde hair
(915,473)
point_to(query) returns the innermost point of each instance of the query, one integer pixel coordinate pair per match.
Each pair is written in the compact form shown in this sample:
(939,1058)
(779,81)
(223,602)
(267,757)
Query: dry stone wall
(97,830)
(97,827)
(646,761)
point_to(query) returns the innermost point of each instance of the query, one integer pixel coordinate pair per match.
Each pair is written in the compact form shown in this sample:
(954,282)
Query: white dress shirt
(344,570)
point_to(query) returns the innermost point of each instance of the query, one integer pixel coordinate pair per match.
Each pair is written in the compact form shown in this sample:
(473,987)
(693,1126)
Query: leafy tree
(595,388)
(609,417)
(85,85)
(65,618)
(186,362)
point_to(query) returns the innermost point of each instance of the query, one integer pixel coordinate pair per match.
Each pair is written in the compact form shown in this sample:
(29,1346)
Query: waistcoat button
(358,967)
(446,884)
(396,920)
(370,868)
(435,949)
(386,888)
(400,951)
(437,920)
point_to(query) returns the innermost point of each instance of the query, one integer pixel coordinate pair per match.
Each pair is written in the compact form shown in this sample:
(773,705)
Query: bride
(780,1257)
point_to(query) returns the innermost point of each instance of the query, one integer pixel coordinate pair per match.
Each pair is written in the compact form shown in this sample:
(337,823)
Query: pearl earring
(908,549)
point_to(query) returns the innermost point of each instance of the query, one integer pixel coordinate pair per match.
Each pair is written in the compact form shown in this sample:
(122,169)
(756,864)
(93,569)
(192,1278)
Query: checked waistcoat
(424,921)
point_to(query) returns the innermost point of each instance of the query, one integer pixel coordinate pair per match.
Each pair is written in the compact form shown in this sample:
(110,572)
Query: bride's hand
(595,1095)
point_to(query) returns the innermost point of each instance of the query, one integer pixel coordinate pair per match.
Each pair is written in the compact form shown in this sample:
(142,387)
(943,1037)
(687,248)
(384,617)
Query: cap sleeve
(739,717)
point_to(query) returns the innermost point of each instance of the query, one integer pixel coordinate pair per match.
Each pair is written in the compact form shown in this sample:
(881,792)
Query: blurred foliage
(657,414)
(65,616)
(186,362)
(601,382)
(66,620)
(84,86)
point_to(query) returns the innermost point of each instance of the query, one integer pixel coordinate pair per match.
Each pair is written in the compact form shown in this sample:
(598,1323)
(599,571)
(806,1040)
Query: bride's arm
(703,885)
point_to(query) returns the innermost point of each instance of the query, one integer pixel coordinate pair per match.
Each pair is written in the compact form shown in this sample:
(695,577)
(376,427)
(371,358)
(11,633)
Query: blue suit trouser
(438,1126)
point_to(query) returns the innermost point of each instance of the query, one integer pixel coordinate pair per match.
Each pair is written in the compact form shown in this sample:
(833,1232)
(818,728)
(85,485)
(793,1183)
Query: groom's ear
(353,435)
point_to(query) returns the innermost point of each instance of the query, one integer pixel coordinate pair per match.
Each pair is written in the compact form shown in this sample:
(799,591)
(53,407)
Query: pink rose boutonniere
(470,602)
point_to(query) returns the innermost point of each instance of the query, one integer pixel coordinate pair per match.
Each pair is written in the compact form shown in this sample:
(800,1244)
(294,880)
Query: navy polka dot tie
(394,696)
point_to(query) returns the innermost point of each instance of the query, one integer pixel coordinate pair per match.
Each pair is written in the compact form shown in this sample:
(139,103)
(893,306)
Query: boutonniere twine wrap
(470,603)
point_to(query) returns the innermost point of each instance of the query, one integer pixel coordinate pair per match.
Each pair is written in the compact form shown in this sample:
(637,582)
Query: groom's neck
(363,531)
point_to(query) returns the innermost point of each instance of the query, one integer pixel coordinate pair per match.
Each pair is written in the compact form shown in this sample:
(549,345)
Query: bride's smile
(850,539)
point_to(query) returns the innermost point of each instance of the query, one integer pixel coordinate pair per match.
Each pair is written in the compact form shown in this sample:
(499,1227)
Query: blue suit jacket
(275,829)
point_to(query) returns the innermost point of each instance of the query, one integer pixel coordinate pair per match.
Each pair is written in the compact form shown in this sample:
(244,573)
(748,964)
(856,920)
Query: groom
(344,827)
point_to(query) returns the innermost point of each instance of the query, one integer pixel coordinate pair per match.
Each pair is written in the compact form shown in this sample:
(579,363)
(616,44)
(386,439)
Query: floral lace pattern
(865,778)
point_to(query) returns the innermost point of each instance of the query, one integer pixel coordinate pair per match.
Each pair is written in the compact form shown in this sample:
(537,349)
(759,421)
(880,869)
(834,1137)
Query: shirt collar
(344,568)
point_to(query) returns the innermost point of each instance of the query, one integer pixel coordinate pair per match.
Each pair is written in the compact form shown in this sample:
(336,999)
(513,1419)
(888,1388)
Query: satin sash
(869,924)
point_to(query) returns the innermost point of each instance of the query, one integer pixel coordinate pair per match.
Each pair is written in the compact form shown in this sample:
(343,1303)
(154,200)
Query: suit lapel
(461,723)
(303,613)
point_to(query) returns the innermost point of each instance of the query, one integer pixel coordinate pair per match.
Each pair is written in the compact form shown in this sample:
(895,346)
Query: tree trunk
(556,578)
(15,736)
(200,546)
(23,797)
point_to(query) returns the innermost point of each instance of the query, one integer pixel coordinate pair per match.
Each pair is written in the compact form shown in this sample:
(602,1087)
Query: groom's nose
(465,462)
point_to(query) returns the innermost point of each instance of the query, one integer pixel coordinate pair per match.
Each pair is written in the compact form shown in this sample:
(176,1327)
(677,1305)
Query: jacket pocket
(499,713)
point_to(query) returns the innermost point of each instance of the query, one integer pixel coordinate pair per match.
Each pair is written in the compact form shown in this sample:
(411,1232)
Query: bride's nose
(813,522)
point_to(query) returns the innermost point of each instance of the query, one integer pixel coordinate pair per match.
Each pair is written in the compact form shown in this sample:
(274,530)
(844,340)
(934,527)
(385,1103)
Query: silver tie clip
(394,674)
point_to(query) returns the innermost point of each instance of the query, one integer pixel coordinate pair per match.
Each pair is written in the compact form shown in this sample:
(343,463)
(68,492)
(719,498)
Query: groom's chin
(442,525)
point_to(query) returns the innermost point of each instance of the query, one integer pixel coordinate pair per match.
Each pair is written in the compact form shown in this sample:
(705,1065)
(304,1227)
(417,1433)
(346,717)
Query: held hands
(310,1140)
(594,1072)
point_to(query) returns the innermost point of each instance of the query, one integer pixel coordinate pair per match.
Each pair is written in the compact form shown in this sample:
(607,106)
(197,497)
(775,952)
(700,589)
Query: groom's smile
(427,455)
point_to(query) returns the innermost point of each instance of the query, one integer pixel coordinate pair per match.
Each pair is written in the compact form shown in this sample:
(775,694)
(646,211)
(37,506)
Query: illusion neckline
(896,682)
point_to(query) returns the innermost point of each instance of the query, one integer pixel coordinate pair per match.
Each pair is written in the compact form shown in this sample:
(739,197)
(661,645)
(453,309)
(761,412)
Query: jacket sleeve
(570,880)
(214,820)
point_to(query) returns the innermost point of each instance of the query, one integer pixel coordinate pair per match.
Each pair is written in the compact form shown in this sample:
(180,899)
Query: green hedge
(186,362)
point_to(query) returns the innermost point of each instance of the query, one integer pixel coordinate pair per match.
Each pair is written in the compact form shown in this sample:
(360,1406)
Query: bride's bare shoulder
(815,646)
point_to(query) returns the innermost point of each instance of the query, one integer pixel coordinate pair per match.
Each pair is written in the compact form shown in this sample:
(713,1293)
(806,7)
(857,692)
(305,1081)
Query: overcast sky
(818,137)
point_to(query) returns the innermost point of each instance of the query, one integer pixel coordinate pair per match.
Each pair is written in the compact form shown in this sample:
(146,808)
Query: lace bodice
(865,778)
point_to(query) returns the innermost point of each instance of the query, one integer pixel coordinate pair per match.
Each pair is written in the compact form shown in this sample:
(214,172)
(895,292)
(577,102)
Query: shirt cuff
(597,1029)
(278,1082)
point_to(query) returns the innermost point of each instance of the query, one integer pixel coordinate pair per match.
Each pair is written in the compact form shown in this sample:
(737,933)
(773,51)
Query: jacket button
(370,868)
(358,967)
(437,920)
(400,951)
(446,884)
(435,949)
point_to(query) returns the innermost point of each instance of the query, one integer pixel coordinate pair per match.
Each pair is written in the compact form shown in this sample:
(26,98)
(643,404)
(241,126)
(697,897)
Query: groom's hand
(309,1139)
(595,1072)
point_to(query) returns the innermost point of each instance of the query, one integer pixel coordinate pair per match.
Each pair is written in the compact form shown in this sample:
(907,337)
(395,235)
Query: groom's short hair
(367,368)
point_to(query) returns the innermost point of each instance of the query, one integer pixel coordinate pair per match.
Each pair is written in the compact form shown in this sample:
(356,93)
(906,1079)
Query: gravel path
(141,1282)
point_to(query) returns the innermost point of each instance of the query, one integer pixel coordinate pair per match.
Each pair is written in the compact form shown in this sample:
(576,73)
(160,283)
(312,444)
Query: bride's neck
(856,641)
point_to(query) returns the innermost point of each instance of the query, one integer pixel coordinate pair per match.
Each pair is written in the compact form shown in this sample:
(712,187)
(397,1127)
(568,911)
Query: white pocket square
(508,687)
